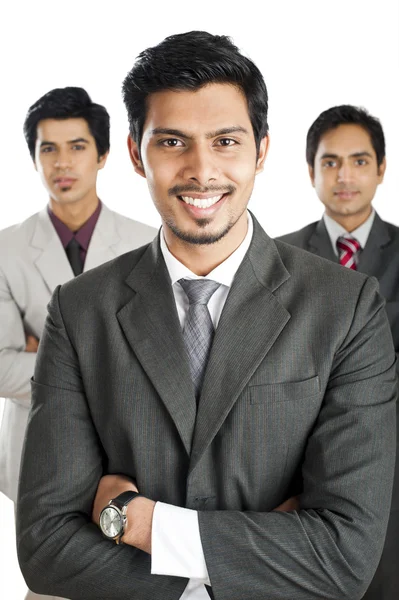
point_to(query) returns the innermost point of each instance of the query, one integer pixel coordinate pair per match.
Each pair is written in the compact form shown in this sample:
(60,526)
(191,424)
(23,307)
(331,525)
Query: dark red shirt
(82,235)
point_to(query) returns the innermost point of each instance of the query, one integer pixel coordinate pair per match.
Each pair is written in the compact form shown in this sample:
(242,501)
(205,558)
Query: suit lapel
(48,254)
(240,344)
(151,325)
(372,256)
(319,242)
(104,241)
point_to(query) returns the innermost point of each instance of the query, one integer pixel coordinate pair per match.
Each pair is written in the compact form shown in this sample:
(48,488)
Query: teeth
(201,202)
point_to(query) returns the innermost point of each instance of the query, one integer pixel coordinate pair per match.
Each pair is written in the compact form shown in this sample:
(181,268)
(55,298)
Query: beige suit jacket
(32,263)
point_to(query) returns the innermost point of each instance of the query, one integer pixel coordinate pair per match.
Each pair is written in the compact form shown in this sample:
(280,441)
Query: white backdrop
(313,55)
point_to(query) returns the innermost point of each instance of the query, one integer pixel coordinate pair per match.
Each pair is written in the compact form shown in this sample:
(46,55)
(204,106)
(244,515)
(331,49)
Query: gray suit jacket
(298,397)
(32,264)
(380,258)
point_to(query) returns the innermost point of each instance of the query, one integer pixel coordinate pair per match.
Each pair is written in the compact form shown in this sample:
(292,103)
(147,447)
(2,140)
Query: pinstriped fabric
(198,329)
(348,249)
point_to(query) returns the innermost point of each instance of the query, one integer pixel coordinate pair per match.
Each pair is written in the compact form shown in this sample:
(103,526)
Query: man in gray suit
(68,139)
(218,372)
(345,152)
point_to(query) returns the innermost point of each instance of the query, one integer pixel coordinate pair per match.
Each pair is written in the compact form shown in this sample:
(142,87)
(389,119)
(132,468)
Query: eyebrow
(210,135)
(75,141)
(355,155)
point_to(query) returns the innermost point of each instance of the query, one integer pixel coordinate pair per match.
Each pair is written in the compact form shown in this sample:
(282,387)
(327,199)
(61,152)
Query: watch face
(110,522)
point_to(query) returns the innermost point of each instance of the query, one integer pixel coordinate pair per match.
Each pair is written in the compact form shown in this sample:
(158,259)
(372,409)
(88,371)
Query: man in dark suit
(219,373)
(346,159)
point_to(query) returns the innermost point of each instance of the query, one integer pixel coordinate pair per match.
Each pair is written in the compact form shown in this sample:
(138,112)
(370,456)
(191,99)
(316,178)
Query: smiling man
(346,158)
(208,410)
(68,139)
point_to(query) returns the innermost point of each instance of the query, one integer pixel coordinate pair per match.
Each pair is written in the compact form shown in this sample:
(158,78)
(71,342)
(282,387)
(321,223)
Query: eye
(329,164)
(46,149)
(361,162)
(78,147)
(227,142)
(171,143)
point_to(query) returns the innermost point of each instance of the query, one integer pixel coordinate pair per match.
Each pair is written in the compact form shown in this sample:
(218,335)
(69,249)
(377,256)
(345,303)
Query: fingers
(32,343)
(290,504)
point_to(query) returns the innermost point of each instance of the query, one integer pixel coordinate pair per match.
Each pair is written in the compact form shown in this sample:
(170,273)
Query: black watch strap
(124,498)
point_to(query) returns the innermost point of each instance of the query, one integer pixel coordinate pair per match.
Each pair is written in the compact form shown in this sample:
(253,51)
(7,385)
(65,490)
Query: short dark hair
(68,103)
(189,61)
(345,114)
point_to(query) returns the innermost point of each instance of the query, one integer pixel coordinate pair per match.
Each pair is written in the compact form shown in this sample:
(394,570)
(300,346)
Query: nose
(200,166)
(62,160)
(345,172)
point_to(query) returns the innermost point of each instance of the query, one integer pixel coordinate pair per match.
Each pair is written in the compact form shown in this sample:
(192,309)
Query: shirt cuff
(176,547)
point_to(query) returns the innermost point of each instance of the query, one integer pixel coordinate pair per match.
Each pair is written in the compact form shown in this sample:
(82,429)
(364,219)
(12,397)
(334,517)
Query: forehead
(208,108)
(62,130)
(345,140)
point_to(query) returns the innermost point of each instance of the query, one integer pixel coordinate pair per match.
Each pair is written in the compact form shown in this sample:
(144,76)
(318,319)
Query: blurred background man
(345,152)
(68,139)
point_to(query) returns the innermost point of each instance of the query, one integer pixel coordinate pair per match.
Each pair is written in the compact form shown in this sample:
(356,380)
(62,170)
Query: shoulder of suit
(124,223)
(19,234)
(96,283)
(311,269)
(393,230)
(300,236)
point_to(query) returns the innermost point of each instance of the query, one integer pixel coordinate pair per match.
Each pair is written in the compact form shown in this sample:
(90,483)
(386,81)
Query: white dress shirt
(335,230)
(176,542)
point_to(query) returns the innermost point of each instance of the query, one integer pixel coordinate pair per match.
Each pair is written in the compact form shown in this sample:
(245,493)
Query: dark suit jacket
(380,258)
(298,397)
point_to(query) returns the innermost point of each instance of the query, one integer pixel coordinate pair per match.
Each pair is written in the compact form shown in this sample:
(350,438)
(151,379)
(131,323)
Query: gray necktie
(198,330)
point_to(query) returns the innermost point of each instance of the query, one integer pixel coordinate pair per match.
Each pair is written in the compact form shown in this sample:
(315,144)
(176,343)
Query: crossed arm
(17,349)
(138,531)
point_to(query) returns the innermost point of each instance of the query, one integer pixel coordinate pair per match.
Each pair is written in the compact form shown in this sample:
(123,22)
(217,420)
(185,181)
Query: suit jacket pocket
(277,392)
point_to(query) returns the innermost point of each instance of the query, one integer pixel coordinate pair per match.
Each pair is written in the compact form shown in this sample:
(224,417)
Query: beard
(200,238)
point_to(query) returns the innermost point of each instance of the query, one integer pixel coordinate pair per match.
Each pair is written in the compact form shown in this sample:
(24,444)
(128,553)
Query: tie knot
(199,291)
(348,244)
(73,243)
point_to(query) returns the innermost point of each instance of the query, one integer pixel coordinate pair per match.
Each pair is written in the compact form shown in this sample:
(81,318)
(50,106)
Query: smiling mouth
(202,202)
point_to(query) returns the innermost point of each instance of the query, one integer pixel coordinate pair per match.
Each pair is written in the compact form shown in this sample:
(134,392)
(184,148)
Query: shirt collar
(223,273)
(83,235)
(335,230)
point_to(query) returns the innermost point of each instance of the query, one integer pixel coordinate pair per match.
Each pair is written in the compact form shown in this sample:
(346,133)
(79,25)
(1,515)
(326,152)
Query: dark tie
(348,249)
(73,254)
(198,329)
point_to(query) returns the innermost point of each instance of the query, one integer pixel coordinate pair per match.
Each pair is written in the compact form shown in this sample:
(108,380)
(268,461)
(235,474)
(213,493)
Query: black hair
(345,114)
(189,61)
(68,103)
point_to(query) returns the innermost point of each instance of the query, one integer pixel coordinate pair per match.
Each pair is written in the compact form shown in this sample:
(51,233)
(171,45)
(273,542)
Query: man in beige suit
(68,139)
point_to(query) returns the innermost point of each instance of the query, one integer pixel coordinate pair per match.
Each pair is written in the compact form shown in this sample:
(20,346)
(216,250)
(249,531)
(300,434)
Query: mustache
(179,190)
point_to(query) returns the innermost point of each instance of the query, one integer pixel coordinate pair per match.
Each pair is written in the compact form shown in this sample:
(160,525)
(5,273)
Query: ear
(102,160)
(263,150)
(311,174)
(135,156)
(381,170)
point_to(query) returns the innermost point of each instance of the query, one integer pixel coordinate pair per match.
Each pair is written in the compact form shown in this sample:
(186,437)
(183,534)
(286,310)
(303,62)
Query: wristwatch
(113,518)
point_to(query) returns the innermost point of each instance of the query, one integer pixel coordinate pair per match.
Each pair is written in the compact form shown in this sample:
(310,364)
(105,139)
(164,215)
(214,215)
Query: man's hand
(290,504)
(32,343)
(139,511)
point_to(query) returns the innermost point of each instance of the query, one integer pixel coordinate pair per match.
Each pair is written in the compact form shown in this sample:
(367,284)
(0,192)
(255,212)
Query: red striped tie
(348,249)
